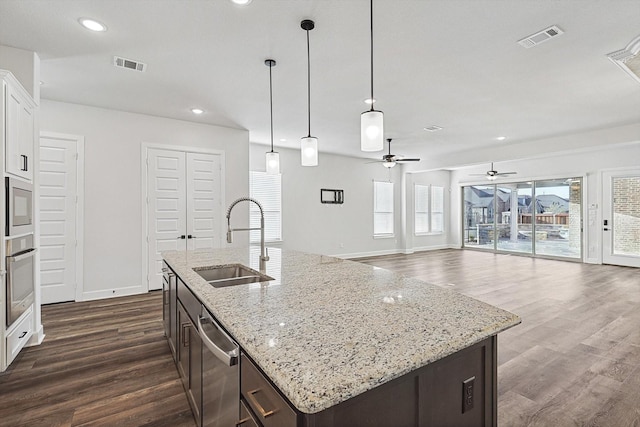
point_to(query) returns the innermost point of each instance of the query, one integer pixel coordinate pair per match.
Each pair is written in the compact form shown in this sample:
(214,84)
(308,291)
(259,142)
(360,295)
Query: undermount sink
(231,275)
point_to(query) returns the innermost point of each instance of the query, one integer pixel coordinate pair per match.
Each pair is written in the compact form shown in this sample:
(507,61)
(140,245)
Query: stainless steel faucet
(264,255)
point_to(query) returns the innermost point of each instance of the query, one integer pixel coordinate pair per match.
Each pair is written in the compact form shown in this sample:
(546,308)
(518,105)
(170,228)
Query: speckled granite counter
(328,329)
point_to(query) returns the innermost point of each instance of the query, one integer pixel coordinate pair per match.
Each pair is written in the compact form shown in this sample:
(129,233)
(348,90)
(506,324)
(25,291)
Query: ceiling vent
(432,128)
(129,63)
(540,37)
(628,59)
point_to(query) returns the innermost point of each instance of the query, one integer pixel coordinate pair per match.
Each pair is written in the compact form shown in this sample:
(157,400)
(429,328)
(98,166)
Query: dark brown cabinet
(189,348)
(169,300)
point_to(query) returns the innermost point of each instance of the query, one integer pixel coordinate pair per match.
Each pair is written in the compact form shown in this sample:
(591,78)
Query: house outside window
(383,217)
(266,189)
(428,209)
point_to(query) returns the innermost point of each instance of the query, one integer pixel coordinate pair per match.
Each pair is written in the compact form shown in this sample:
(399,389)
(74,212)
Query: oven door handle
(23,255)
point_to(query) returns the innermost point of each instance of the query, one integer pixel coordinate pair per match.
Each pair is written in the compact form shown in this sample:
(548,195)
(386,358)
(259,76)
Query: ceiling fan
(389,160)
(493,174)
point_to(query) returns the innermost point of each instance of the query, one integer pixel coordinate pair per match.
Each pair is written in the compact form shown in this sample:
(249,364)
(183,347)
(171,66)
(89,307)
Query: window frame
(376,212)
(431,211)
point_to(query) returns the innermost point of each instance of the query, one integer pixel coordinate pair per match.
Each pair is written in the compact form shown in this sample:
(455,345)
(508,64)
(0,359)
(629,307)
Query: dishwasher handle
(230,358)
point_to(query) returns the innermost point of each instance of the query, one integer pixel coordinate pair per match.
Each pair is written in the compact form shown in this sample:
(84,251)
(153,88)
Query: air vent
(628,59)
(432,128)
(129,63)
(540,37)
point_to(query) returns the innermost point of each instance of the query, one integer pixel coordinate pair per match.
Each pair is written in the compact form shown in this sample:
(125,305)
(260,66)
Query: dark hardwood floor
(102,363)
(575,359)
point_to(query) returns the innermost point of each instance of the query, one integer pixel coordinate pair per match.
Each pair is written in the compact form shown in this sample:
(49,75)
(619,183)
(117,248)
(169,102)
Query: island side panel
(431,396)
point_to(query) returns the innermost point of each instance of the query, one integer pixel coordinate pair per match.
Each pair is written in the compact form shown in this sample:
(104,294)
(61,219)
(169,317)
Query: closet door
(166,201)
(184,205)
(204,204)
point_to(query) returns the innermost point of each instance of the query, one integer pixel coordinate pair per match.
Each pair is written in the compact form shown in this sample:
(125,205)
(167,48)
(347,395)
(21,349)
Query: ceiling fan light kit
(272,158)
(372,121)
(308,144)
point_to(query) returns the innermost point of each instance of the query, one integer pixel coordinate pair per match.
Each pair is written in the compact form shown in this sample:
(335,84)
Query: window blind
(437,209)
(382,208)
(266,189)
(421,209)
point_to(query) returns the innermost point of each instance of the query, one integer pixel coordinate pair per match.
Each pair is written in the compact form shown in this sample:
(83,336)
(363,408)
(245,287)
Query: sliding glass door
(540,218)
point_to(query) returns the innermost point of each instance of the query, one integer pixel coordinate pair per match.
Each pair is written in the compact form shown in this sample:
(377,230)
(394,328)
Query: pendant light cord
(271,104)
(371,2)
(308,87)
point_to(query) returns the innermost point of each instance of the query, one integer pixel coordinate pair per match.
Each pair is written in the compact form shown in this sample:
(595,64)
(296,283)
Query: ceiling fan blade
(506,173)
(477,174)
(407,160)
(375,161)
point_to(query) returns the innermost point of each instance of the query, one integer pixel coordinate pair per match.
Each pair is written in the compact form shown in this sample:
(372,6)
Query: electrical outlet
(467,394)
(342,245)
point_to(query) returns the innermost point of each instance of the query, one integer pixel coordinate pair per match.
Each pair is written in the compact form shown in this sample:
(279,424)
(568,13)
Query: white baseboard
(110,293)
(37,337)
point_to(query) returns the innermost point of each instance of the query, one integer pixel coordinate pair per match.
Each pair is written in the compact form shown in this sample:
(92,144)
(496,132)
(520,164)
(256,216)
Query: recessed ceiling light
(501,138)
(197,111)
(432,128)
(369,101)
(41,82)
(241,2)
(283,140)
(92,24)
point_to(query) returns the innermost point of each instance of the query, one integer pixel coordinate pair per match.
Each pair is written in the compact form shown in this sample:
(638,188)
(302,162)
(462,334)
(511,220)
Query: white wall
(25,66)
(345,230)
(586,164)
(113,208)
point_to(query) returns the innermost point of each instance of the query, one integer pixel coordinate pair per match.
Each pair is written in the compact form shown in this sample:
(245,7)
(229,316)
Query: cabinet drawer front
(267,404)
(19,336)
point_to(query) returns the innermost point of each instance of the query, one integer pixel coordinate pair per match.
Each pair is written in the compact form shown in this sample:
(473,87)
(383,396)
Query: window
(437,209)
(267,190)
(382,208)
(421,211)
(428,209)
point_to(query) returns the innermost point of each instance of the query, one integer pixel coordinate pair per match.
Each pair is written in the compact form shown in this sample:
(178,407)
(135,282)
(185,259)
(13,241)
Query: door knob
(181,237)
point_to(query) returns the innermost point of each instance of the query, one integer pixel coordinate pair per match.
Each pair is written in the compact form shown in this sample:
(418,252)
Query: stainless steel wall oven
(20,276)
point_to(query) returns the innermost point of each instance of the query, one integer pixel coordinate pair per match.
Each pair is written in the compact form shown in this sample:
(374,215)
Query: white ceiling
(453,63)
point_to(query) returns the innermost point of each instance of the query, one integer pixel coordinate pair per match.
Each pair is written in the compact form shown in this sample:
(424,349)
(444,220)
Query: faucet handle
(266,254)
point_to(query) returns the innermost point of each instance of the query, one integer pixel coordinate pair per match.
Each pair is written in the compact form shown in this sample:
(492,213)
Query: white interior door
(184,196)
(621,218)
(166,192)
(204,204)
(58,216)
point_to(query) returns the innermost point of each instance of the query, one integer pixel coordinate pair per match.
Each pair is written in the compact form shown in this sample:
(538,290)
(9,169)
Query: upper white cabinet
(18,129)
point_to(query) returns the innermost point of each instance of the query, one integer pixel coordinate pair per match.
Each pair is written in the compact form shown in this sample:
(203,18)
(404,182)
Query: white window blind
(266,189)
(382,208)
(437,209)
(421,211)
(428,209)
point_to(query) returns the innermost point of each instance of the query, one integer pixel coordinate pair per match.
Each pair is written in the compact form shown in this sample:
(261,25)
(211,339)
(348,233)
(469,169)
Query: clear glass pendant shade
(272,163)
(372,131)
(309,151)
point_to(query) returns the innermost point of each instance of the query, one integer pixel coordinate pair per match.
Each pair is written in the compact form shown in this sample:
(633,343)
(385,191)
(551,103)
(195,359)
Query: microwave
(19,215)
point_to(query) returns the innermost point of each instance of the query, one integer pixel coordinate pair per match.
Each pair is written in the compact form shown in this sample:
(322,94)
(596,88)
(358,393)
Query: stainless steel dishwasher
(220,374)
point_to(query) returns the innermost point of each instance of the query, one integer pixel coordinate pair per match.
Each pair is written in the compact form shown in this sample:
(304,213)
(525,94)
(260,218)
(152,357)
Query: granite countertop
(328,329)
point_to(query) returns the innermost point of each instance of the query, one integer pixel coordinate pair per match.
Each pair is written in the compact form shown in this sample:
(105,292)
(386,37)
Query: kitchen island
(338,338)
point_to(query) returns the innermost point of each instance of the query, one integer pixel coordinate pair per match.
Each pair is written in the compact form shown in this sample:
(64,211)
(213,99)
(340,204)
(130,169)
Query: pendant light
(372,121)
(308,144)
(272,157)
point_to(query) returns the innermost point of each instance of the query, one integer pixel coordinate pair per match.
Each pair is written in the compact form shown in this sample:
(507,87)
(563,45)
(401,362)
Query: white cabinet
(19,335)
(18,129)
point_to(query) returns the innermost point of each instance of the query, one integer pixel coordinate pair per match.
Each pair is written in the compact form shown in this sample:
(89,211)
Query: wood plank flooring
(102,363)
(575,359)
